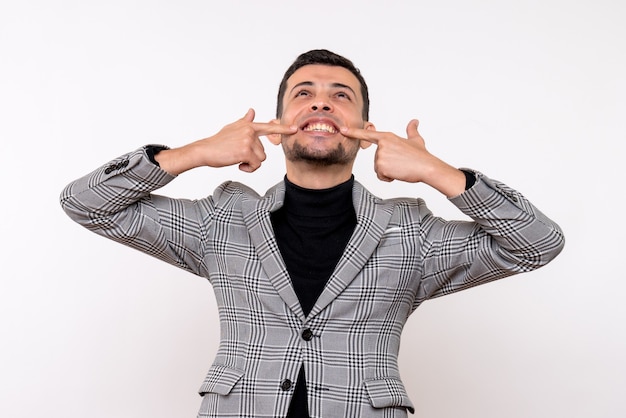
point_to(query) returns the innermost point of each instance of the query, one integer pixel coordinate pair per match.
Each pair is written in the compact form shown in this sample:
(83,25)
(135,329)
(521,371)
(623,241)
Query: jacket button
(286,384)
(307,334)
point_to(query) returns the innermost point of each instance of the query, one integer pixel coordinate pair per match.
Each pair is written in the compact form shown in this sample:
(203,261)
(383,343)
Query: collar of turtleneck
(318,202)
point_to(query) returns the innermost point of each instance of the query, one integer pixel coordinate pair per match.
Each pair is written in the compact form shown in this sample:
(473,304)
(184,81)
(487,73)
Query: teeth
(320,127)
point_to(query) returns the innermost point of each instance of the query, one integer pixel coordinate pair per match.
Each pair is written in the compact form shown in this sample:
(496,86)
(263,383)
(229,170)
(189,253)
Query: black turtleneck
(312,229)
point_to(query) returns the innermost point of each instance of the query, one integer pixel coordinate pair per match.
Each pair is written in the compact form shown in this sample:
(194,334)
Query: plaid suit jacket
(399,256)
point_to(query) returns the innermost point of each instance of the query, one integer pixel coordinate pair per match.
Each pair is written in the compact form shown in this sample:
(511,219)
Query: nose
(320,106)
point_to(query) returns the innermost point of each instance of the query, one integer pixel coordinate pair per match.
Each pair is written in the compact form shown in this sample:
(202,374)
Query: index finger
(273,128)
(362,134)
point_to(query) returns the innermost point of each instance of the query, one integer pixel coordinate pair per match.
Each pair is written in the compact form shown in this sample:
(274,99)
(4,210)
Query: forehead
(319,74)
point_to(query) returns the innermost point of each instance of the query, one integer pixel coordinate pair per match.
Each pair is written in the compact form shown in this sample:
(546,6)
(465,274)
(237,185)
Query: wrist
(153,150)
(446,179)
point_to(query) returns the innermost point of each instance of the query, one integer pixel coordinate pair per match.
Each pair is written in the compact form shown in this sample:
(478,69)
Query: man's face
(320,100)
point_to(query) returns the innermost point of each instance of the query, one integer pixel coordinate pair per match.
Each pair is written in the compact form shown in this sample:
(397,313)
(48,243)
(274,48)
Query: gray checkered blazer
(398,256)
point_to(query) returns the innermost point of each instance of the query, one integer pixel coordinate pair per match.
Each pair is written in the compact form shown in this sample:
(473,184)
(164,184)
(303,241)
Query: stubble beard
(336,156)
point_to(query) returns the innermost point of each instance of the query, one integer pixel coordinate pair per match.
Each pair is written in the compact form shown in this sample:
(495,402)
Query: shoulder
(362,194)
(232,192)
(410,210)
(234,188)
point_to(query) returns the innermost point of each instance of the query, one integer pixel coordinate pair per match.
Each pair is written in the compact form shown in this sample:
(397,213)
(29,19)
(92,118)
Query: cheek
(288,117)
(352,119)
(357,123)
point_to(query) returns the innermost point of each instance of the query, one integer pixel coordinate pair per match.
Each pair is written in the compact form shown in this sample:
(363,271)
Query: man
(315,279)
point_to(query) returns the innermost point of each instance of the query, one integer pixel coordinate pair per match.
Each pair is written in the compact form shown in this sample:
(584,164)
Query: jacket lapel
(372,219)
(256,213)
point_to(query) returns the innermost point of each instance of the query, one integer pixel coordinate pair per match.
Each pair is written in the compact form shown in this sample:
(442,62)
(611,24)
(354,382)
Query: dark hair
(323,57)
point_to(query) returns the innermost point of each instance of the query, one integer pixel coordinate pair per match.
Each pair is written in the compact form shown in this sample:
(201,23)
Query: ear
(368,126)
(275,138)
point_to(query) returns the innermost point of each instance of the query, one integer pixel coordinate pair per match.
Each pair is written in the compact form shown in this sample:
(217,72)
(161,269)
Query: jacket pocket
(220,380)
(388,392)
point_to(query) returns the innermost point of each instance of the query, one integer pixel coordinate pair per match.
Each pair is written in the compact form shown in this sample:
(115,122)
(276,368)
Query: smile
(320,127)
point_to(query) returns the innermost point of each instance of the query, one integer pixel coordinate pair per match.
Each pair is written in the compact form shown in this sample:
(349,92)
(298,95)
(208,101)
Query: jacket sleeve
(508,235)
(116,201)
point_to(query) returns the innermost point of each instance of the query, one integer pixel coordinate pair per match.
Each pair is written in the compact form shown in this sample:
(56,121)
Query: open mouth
(320,127)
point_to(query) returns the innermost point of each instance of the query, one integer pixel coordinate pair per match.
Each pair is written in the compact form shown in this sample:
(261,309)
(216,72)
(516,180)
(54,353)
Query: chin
(323,158)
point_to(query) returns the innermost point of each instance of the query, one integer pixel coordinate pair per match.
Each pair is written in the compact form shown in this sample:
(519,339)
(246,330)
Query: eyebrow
(333,85)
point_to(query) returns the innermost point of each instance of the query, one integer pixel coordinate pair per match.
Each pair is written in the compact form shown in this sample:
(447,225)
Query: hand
(236,143)
(396,158)
(407,159)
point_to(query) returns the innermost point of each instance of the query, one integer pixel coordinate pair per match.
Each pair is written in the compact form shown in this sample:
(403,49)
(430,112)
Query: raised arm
(117,200)
(407,159)
(236,143)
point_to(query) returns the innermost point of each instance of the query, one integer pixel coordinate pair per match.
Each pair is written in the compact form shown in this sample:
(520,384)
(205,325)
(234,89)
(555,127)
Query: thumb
(411,128)
(249,117)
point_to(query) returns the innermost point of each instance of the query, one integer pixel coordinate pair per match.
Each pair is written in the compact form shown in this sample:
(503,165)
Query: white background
(532,93)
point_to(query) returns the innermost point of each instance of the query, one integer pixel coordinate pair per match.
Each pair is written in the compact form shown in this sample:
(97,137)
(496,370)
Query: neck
(311,176)
(319,203)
